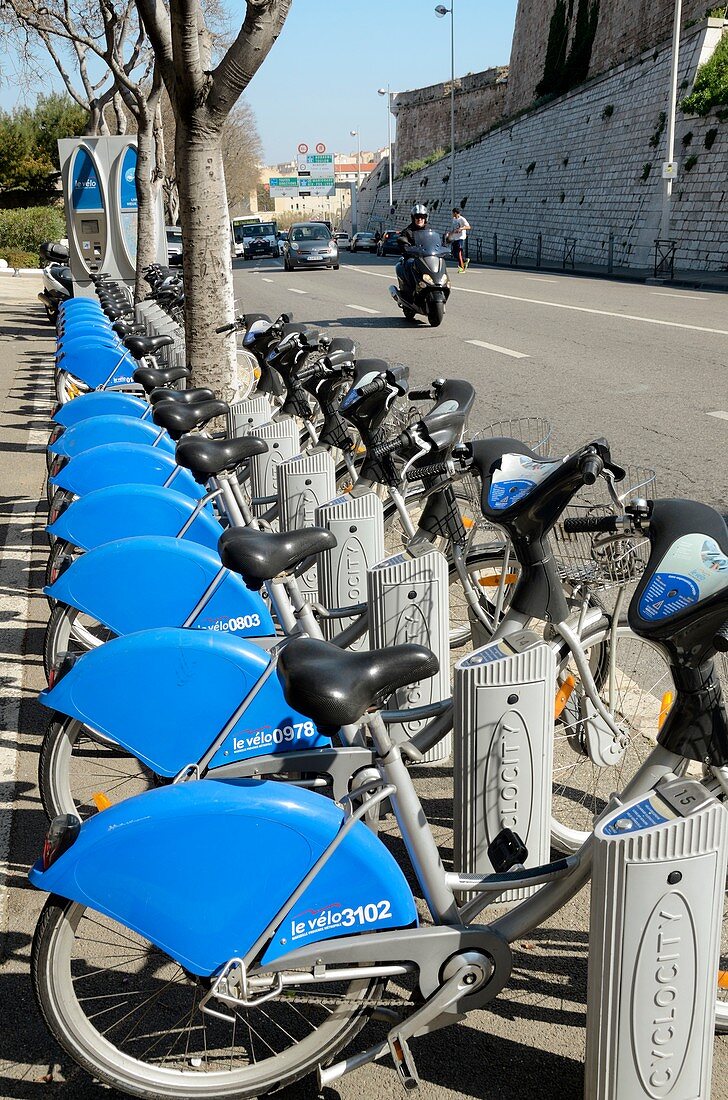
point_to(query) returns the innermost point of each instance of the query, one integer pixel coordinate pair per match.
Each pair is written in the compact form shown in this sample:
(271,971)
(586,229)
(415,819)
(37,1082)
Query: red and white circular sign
(303,148)
(321,148)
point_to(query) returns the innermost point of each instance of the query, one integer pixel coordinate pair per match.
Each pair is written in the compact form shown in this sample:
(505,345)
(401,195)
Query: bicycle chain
(384,1002)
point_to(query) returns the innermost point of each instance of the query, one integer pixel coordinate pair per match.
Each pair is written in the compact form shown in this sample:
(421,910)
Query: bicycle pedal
(507,850)
(404,1063)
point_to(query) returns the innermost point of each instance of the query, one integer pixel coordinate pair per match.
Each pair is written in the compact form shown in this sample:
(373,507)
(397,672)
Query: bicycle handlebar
(437,468)
(591,523)
(591,467)
(376,386)
(381,450)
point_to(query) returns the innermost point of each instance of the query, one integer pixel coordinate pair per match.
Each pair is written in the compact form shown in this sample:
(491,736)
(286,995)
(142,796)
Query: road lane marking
(495,347)
(541,279)
(364,309)
(266,280)
(293,290)
(685,297)
(573,309)
(719,414)
(365,271)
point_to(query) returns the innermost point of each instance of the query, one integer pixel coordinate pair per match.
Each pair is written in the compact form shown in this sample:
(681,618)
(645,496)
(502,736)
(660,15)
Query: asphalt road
(642,365)
(648,387)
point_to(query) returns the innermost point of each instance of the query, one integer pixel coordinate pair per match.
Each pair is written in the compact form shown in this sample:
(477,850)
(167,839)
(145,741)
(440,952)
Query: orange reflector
(468,522)
(494,581)
(256,373)
(723,979)
(361,449)
(563,695)
(664,709)
(101,802)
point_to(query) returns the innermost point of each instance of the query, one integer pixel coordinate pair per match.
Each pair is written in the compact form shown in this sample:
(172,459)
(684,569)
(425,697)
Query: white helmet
(419,210)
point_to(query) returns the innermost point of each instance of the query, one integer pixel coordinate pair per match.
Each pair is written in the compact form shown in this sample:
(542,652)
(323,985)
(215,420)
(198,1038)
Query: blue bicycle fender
(110,428)
(165,694)
(133,861)
(99,403)
(100,366)
(85,343)
(115,583)
(121,511)
(124,464)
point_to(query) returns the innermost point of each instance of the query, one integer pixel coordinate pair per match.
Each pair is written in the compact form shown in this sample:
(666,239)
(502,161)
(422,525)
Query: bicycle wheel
(633,695)
(70,632)
(61,555)
(491,573)
(80,772)
(129,1015)
(58,504)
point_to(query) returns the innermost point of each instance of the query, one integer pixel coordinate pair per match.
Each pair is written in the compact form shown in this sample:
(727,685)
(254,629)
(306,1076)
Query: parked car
(389,243)
(174,245)
(363,242)
(342,238)
(310,244)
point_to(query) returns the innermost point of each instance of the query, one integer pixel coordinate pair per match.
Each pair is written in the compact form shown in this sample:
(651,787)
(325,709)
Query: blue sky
(320,80)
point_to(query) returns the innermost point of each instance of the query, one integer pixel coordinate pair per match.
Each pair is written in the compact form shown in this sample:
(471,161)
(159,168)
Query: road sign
(303,148)
(283,187)
(320,148)
(669,170)
(316,174)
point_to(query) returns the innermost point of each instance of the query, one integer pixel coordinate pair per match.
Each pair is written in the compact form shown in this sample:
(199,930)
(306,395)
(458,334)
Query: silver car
(310,244)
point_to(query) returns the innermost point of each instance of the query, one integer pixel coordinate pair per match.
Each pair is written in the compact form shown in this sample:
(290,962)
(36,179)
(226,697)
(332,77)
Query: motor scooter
(424,286)
(57,288)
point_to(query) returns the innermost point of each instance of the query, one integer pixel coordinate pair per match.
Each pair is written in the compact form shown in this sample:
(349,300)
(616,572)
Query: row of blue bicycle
(218,924)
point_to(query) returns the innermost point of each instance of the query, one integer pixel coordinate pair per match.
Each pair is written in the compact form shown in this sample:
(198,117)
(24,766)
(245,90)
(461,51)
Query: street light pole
(355,133)
(672,112)
(441,11)
(386,91)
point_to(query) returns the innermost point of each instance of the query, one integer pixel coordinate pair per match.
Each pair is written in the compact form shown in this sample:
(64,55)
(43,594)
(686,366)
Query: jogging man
(456,236)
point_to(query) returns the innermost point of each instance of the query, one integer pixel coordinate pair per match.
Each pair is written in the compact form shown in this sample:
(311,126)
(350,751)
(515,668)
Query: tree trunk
(206,254)
(146,196)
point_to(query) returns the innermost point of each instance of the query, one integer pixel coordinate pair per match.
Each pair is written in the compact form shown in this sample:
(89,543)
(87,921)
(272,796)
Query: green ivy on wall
(565,68)
(711,84)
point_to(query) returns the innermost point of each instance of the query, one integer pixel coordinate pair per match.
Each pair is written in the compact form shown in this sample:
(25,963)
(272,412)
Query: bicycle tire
(581,788)
(58,504)
(122,1064)
(59,550)
(70,632)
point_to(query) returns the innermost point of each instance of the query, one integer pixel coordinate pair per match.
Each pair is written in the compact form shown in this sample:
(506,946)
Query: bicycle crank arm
(472,970)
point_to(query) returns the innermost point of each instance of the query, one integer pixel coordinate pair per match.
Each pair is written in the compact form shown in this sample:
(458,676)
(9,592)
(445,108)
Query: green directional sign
(283,187)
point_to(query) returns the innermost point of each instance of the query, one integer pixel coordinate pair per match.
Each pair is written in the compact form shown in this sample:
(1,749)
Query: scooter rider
(418,216)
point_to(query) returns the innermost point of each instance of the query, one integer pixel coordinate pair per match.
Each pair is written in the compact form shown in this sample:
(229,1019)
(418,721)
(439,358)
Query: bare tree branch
(264,21)
(155,19)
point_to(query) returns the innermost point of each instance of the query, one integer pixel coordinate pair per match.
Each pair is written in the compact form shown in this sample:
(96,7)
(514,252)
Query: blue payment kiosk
(101,206)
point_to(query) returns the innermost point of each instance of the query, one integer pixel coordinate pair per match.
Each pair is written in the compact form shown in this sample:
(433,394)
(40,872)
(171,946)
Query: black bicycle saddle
(205,458)
(261,555)
(336,687)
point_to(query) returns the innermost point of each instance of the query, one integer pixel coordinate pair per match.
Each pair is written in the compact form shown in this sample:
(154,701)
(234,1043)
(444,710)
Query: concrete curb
(20,271)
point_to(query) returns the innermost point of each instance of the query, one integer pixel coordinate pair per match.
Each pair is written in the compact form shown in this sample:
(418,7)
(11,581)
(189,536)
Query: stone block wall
(423,116)
(625,29)
(583,166)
